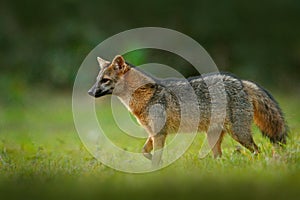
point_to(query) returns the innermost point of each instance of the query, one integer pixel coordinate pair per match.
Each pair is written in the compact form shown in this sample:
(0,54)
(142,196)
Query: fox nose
(91,92)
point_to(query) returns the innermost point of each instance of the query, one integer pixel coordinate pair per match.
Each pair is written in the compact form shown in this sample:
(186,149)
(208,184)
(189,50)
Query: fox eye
(105,80)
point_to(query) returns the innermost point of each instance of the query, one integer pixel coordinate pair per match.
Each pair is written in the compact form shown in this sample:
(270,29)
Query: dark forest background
(44,42)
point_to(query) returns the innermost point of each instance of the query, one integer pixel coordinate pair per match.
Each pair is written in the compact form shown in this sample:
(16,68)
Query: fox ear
(120,64)
(118,60)
(102,62)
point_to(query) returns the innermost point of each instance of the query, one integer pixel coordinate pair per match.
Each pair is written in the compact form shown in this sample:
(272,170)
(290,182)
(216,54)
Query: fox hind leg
(240,121)
(242,134)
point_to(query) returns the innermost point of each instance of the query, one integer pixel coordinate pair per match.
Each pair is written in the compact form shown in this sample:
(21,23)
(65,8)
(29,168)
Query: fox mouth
(97,93)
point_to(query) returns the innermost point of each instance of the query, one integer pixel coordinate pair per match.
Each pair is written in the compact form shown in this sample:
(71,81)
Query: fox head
(109,75)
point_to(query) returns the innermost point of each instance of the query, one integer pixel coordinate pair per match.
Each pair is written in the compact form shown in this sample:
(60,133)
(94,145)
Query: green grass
(42,156)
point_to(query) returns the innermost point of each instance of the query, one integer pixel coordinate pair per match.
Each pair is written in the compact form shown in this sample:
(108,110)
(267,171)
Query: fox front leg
(148,146)
(158,144)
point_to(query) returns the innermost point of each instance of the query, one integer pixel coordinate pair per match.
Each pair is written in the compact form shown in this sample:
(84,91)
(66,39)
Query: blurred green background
(45,42)
(42,45)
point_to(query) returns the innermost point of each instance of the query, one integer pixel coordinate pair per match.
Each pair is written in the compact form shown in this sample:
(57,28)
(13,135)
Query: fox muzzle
(97,92)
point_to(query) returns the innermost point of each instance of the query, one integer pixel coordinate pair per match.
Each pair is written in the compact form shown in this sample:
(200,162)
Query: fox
(246,102)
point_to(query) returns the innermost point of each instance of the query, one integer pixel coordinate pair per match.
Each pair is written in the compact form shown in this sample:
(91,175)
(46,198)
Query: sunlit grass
(40,148)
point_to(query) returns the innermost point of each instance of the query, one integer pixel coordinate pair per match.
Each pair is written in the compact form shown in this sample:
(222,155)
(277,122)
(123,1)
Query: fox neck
(134,90)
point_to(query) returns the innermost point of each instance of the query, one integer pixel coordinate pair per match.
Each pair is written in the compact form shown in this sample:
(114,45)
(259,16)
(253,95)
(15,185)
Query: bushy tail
(267,113)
